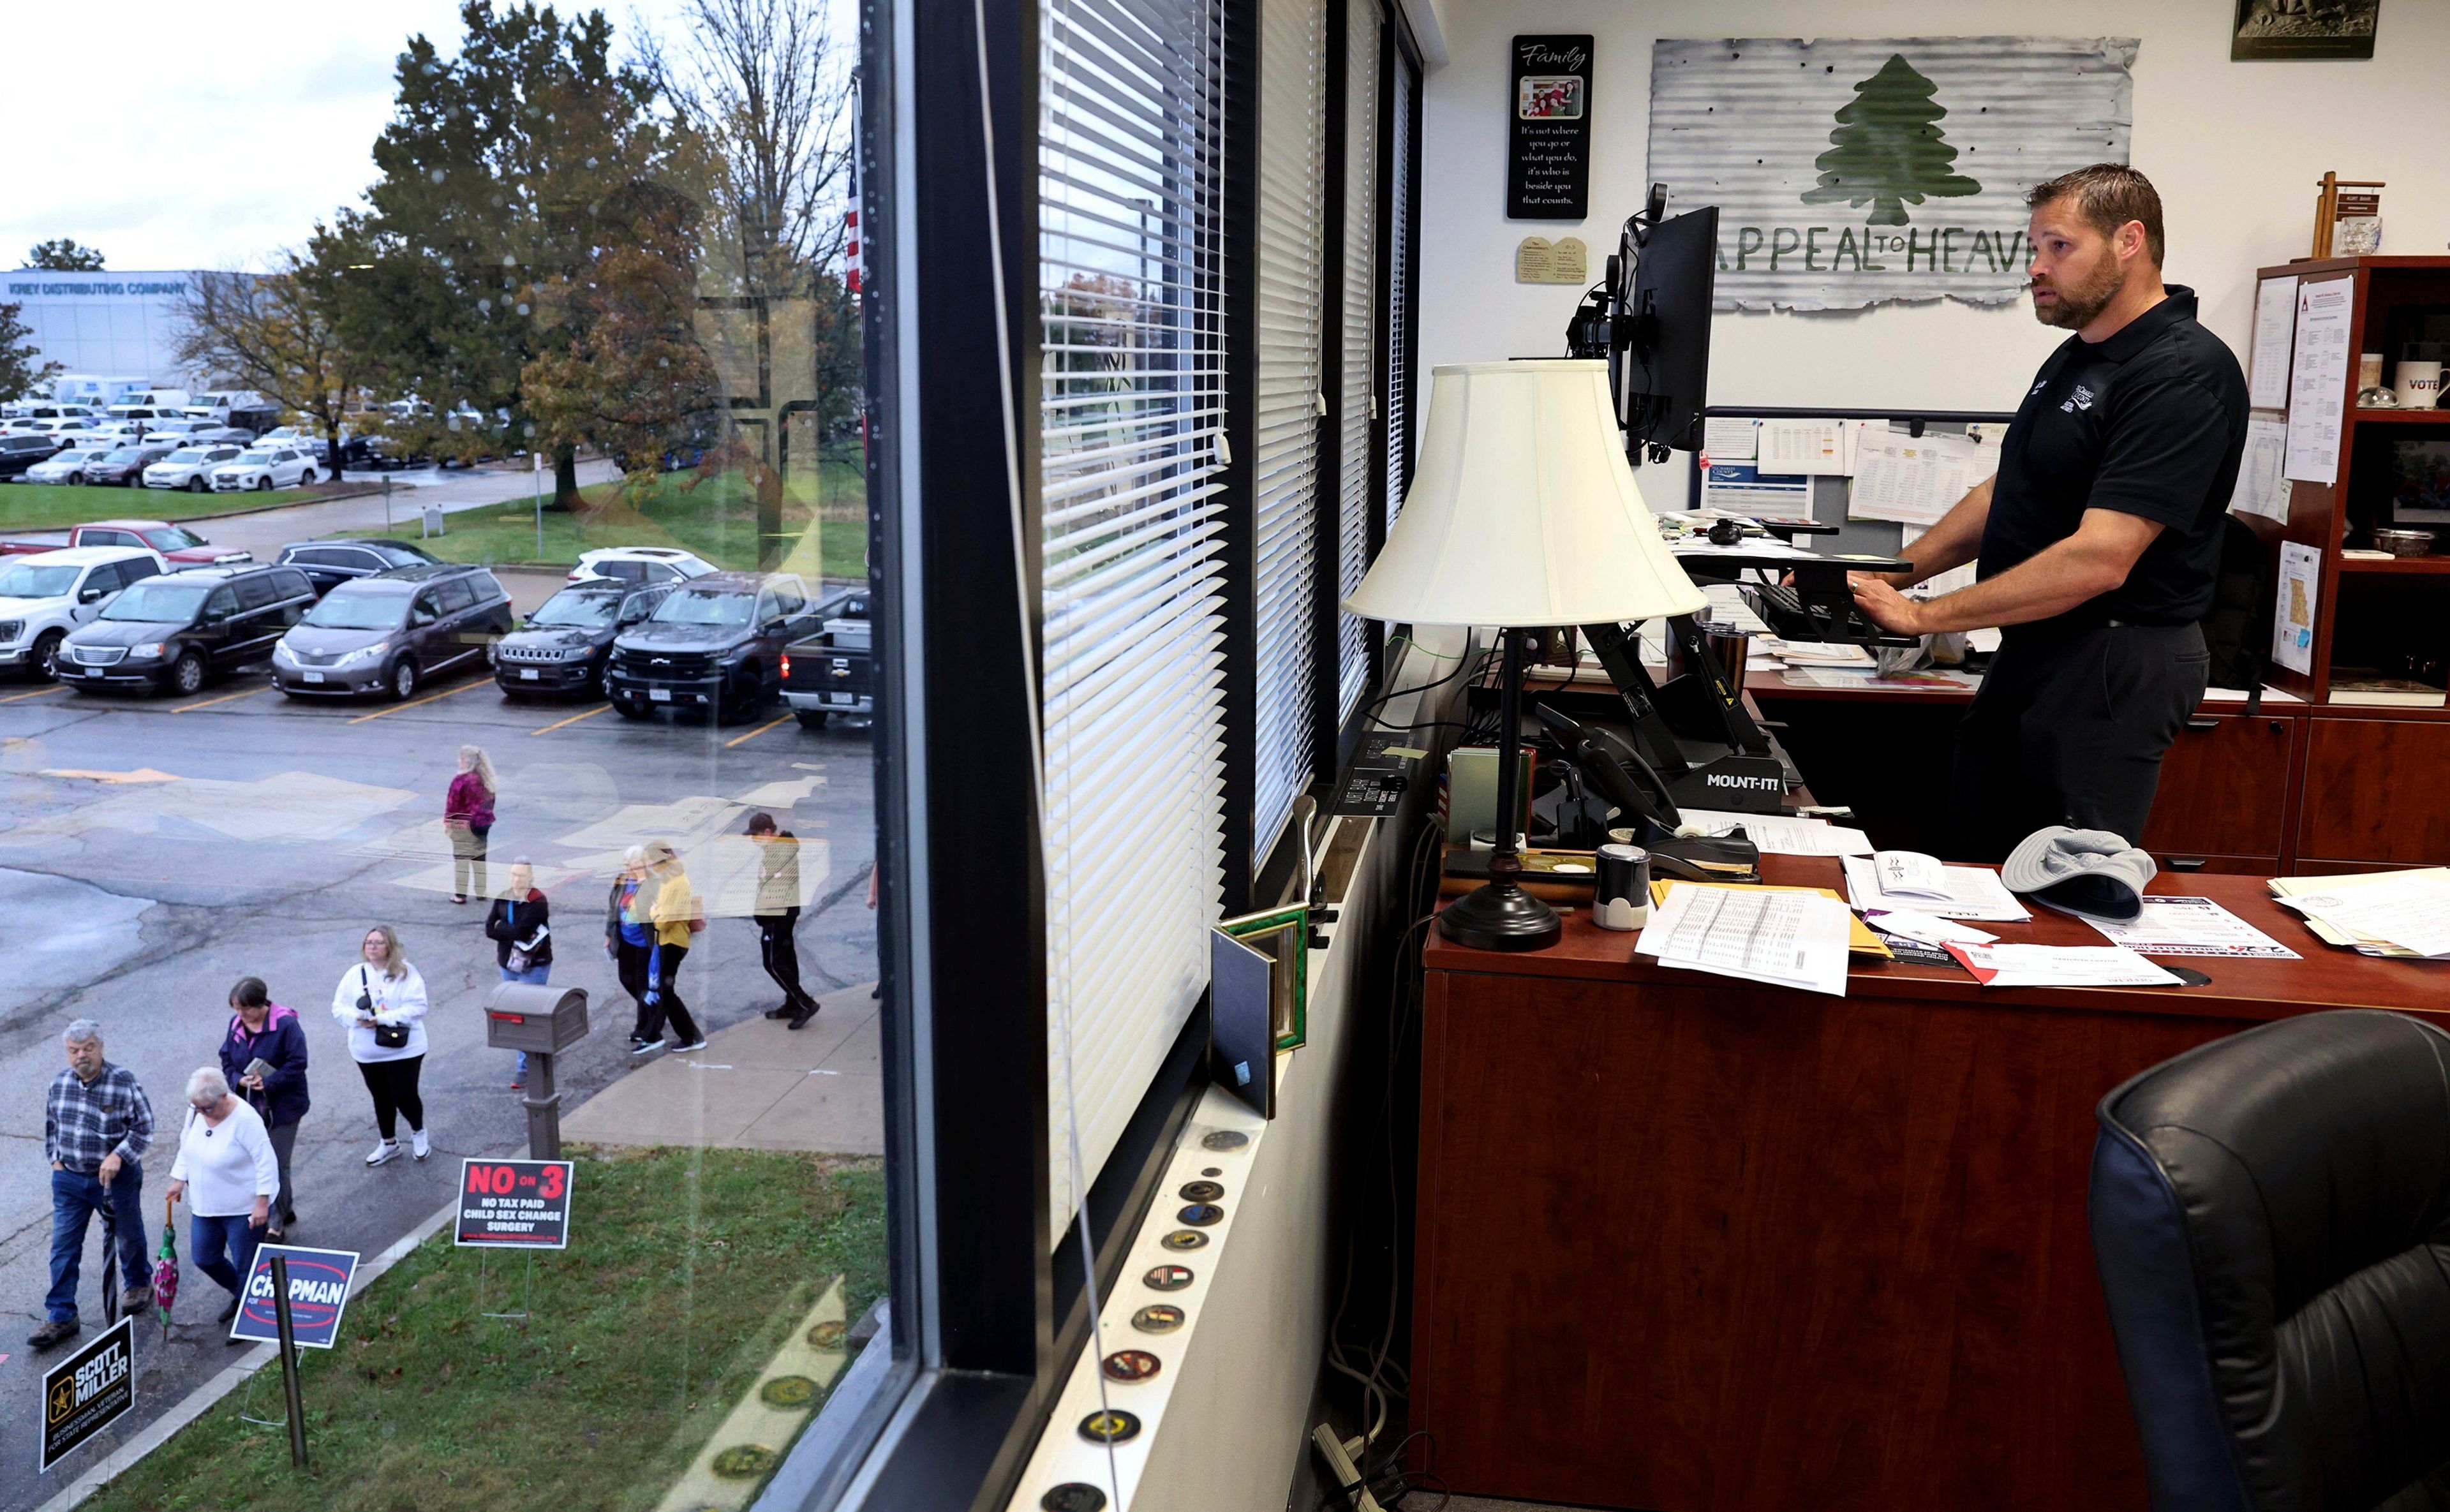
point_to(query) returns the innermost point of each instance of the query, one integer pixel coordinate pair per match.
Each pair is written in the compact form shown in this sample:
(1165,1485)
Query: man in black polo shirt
(2099,538)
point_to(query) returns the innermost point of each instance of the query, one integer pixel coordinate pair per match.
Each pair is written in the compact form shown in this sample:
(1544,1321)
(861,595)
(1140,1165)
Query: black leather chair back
(2271,1218)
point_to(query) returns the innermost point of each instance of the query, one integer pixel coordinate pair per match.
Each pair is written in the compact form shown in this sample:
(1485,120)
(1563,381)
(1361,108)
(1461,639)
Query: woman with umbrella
(226,1159)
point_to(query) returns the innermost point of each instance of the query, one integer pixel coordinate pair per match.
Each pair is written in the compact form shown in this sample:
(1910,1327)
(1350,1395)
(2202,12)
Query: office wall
(2235,148)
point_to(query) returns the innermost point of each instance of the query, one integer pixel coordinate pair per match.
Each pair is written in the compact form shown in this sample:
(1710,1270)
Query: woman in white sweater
(228,1171)
(381,1001)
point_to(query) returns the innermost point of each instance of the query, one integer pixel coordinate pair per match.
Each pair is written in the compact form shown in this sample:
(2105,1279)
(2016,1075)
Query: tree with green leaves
(275,333)
(21,363)
(1888,150)
(517,165)
(63,255)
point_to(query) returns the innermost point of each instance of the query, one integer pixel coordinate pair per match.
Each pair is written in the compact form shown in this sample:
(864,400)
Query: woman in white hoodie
(381,1003)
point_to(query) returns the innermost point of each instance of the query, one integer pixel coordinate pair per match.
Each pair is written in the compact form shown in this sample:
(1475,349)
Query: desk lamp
(1522,516)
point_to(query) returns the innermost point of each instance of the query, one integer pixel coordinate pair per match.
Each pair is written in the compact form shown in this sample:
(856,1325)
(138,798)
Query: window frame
(978,1350)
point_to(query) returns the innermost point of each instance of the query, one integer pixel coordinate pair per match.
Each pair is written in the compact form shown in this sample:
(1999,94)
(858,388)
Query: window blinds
(1357,369)
(1401,217)
(1293,37)
(1131,406)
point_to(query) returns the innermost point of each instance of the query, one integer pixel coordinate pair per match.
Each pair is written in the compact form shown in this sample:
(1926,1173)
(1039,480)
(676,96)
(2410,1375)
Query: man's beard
(2078,303)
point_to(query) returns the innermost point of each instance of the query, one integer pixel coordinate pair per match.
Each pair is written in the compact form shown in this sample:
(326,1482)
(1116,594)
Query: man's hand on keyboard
(1884,606)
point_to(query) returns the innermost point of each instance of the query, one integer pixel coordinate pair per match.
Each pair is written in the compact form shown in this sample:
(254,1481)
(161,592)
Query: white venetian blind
(1293,42)
(1131,406)
(1358,368)
(1398,253)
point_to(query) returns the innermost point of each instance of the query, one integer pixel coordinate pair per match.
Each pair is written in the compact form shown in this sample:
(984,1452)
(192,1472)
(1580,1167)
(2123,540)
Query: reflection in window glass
(559,293)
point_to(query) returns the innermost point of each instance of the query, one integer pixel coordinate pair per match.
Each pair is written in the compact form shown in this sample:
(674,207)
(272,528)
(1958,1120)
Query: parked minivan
(386,634)
(174,631)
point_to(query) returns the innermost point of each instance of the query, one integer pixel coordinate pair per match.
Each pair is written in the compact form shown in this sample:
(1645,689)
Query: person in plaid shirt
(97,1125)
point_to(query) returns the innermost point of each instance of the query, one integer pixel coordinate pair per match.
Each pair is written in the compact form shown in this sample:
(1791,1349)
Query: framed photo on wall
(2294,31)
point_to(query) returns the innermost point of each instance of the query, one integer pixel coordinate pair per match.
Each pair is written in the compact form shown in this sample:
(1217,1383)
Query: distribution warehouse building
(121,323)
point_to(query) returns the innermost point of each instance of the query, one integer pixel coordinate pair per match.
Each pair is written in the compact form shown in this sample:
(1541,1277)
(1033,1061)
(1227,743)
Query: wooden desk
(1692,1245)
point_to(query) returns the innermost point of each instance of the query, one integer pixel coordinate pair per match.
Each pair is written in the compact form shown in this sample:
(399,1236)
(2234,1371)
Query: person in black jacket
(519,927)
(260,1029)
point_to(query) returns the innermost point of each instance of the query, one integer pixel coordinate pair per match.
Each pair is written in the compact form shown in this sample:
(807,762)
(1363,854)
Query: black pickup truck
(831,671)
(715,642)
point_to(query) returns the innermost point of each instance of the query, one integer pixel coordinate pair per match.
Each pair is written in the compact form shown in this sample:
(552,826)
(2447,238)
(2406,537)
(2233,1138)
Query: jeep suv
(714,643)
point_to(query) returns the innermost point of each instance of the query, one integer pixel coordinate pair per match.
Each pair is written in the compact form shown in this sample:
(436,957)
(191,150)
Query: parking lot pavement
(154,850)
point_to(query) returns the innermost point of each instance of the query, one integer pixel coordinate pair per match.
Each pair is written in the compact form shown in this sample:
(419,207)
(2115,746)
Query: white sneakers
(418,1142)
(698,1043)
(384,1150)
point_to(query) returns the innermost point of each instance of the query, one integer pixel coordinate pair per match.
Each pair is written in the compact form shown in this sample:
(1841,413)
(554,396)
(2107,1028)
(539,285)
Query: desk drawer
(2374,791)
(2224,788)
(2182,863)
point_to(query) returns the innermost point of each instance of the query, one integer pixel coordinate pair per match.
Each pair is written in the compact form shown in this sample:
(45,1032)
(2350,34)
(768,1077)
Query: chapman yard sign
(1851,172)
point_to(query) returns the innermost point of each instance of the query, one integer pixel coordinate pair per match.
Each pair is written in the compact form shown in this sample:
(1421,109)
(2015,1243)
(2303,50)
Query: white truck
(48,595)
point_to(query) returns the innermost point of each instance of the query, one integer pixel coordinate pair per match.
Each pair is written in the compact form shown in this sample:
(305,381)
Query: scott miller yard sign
(1851,172)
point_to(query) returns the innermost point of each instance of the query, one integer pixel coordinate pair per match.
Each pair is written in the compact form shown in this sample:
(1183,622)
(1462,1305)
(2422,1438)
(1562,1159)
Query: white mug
(2420,384)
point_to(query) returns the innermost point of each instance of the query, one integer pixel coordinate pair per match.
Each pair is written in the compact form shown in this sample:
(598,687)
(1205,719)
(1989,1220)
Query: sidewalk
(755,1086)
(266,531)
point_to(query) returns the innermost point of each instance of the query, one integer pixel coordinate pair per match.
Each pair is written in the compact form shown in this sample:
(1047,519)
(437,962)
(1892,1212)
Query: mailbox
(519,1016)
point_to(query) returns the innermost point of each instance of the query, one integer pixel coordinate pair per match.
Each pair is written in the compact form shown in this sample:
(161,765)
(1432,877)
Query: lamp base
(1499,915)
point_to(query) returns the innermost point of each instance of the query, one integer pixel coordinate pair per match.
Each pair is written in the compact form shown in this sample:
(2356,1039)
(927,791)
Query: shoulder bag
(387,1037)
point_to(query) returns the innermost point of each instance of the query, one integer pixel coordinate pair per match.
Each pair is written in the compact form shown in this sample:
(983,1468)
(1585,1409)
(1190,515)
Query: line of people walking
(238,1134)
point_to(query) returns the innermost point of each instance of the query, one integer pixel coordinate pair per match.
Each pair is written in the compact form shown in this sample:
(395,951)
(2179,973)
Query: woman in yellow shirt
(673,918)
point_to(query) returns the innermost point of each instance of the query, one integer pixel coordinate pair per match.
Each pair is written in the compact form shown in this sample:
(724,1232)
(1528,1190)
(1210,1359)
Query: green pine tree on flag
(1888,148)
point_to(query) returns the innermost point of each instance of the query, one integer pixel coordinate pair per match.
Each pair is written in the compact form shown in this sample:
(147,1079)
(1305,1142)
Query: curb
(288,504)
(195,1403)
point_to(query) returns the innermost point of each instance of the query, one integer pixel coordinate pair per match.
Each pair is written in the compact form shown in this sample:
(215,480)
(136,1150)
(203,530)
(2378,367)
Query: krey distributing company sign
(38,289)
(1851,172)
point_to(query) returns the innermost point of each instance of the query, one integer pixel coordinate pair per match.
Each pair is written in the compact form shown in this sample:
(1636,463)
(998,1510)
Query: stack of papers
(2400,914)
(1973,892)
(1784,939)
(1781,834)
(2190,926)
(2060,966)
(1812,653)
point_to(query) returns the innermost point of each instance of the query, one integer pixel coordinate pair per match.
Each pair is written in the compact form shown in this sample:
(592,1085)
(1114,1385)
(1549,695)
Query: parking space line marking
(572,720)
(57,687)
(482,682)
(759,730)
(226,698)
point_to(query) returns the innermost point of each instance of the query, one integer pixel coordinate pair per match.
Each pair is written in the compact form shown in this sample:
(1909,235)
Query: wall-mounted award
(1548,131)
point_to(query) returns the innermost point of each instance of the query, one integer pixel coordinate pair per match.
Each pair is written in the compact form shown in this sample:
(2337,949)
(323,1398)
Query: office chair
(2272,1220)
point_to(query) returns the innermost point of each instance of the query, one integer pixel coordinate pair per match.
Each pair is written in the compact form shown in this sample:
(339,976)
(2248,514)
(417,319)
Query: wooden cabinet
(2375,790)
(2224,793)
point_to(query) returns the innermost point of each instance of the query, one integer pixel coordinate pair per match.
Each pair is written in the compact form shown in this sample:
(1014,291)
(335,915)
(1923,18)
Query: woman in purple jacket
(468,816)
(260,1029)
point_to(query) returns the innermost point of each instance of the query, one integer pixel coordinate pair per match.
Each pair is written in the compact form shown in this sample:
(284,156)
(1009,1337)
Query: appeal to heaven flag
(1848,172)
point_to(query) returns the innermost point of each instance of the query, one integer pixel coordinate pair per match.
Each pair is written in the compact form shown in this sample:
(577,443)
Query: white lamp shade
(1523,512)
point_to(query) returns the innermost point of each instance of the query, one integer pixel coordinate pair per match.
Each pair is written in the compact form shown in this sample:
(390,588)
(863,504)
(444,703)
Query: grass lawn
(826,519)
(685,1269)
(48,506)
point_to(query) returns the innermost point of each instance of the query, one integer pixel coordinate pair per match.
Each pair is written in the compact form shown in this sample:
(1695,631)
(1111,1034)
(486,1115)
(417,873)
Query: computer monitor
(1665,365)
(1650,318)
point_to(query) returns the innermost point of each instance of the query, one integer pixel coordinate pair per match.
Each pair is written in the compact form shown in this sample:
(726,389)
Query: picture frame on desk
(1282,935)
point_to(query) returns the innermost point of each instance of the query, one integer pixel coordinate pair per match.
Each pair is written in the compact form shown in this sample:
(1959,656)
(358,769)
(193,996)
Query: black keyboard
(1789,618)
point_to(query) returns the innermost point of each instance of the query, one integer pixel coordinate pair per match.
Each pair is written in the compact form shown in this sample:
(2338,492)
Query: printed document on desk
(1973,892)
(2409,910)
(1784,939)
(2190,926)
(2059,966)
(1784,834)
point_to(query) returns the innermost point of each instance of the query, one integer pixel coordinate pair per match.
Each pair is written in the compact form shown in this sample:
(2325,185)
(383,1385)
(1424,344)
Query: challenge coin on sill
(1201,1191)
(1224,1139)
(1212,1170)
(1184,1239)
(1112,1425)
(1130,1364)
(1157,1317)
(1200,1215)
(1167,1278)
(1073,1496)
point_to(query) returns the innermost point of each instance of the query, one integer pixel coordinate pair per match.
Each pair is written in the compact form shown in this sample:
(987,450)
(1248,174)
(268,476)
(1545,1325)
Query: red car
(179,545)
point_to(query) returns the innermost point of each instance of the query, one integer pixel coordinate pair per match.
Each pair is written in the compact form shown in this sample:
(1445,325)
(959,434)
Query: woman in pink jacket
(468,816)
